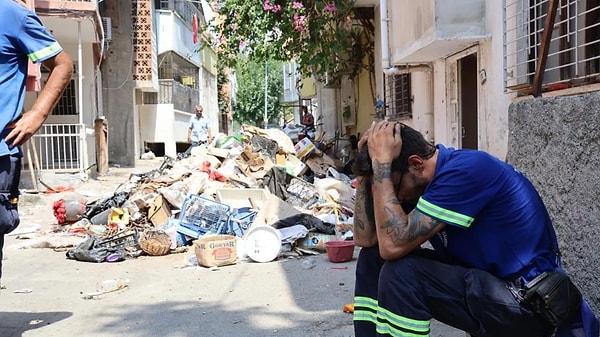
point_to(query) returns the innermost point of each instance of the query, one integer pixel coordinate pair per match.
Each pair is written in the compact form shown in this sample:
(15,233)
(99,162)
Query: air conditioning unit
(107,27)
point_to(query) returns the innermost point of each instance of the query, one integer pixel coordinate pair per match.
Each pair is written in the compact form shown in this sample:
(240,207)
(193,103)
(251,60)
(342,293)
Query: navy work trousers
(10,174)
(399,298)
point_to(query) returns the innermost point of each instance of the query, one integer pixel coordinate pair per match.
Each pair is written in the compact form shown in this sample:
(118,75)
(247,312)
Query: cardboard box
(159,212)
(216,250)
(304,147)
(295,166)
(320,164)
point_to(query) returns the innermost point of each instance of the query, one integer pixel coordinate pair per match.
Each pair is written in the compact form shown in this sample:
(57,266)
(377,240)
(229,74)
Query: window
(398,99)
(574,50)
(66,104)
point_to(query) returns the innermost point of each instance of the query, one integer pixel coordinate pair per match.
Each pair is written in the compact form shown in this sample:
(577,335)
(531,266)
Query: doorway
(462,78)
(468,101)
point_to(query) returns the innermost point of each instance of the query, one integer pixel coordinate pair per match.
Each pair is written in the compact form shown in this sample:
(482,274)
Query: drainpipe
(83,161)
(385,45)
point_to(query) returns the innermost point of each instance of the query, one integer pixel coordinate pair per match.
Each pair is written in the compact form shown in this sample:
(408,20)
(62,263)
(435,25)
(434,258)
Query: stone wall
(556,143)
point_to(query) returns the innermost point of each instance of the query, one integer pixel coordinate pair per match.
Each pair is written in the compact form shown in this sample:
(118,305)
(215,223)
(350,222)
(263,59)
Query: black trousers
(10,174)
(399,298)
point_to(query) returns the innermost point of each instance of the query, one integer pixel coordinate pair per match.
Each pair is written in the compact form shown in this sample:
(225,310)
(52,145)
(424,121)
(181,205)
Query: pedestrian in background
(23,37)
(199,131)
(308,120)
(495,269)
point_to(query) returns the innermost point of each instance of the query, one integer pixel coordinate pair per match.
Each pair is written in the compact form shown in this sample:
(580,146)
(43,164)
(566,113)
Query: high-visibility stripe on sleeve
(43,53)
(443,214)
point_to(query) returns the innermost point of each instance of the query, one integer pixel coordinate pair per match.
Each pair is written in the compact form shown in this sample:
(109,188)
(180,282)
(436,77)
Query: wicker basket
(155,243)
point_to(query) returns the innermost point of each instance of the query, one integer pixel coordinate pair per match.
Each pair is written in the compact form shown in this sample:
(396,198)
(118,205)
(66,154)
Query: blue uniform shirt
(495,219)
(22,37)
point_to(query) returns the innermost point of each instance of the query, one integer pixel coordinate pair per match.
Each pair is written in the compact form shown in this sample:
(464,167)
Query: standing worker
(199,129)
(23,37)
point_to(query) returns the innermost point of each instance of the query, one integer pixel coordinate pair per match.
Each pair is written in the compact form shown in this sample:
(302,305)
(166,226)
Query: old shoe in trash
(155,242)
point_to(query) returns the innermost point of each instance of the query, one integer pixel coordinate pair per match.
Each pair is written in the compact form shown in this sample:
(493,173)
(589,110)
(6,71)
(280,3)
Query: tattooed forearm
(394,225)
(359,211)
(420,225)
(401,229)
(382,171)
(392,199)
(364,214)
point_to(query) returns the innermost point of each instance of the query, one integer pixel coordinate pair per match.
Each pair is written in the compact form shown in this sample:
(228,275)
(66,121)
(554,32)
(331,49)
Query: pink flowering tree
(325,37)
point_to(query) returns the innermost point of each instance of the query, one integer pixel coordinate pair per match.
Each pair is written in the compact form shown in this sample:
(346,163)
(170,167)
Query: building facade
(66,141)
(155,74)
(451,69)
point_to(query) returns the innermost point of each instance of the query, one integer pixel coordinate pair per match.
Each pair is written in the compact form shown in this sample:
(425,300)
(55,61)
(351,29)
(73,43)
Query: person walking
(23,37)
(495,267)
(199,131)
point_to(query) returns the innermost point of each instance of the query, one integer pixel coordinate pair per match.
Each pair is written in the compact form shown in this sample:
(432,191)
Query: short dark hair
(413,143)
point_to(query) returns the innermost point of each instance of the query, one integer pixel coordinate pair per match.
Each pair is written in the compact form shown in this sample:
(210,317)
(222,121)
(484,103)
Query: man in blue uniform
(23,38)
(490,232)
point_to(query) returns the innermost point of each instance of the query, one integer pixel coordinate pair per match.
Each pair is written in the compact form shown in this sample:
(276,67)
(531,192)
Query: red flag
(195,28)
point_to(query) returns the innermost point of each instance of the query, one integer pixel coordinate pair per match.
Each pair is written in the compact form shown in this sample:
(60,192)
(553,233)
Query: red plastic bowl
(339,251)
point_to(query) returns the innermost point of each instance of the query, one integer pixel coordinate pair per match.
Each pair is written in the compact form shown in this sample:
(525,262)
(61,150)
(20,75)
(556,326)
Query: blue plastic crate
(240,220)
(200,215)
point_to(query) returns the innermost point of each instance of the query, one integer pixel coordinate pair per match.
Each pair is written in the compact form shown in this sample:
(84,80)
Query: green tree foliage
(249,106)
(328,39)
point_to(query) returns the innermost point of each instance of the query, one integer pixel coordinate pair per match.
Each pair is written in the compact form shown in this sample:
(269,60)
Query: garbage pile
(254,195)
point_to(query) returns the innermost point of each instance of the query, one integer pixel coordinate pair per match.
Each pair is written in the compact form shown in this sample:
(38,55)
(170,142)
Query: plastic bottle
(309,263)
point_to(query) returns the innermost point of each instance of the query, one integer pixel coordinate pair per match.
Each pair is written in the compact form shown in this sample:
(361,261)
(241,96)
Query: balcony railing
(183,97)
(59,147)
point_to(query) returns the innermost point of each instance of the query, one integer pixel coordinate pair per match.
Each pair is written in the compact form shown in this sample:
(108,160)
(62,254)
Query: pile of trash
(239,188)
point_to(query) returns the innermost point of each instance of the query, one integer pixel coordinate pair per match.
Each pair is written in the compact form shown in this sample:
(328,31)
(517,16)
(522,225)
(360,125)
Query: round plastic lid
(263,243)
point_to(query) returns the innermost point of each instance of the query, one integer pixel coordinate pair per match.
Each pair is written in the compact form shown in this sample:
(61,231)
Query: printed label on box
(304,147)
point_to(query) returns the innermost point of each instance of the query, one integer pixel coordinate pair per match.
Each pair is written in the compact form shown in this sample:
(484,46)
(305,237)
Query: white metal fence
(59,147)
(574,50)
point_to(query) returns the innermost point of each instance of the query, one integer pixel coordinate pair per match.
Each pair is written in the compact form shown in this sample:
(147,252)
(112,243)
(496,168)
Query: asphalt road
(44,292)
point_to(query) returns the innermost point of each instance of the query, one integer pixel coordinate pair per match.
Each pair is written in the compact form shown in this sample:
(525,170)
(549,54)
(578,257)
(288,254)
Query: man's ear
(416,162)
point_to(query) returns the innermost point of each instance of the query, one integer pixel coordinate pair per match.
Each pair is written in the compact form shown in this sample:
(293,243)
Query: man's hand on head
(384,141)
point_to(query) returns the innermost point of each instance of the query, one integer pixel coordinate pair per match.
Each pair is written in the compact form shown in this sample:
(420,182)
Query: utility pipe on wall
(83,162)
(385,46)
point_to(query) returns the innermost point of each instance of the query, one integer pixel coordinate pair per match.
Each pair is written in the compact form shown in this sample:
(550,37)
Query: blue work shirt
(22,37)
(495,219)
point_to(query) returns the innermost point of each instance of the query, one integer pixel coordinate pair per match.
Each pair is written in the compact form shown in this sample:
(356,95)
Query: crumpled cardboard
(319,164)
(159,211)
(253,164)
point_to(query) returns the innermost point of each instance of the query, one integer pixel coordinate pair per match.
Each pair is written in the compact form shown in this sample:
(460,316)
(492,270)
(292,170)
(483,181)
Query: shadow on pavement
(14,324)
(187,319)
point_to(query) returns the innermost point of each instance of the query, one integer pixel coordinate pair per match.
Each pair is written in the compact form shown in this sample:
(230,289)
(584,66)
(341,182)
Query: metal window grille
(574,51)
(66,105)
(398,99)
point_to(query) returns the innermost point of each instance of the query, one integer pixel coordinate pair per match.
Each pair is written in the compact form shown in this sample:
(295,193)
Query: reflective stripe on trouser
(369,318)
(366,306)
(414,289)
